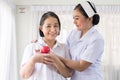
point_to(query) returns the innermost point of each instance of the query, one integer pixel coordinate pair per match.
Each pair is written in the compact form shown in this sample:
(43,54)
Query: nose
(53,28)
(74,21)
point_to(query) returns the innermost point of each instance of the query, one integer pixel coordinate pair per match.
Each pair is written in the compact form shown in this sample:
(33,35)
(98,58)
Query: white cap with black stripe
(89,8)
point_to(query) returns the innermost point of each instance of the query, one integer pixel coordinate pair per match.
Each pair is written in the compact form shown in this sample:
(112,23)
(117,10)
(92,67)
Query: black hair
(95,17)
(44,17)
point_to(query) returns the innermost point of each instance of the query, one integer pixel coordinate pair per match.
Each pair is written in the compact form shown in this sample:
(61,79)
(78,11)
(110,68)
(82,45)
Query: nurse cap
(89,8)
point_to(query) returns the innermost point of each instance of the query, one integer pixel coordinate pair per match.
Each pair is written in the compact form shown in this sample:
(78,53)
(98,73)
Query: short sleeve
(28,51)
(93,51)
(68,40)
(67,53)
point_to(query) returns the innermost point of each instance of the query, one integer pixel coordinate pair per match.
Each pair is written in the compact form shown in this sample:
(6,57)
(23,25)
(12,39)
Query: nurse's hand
(34,41)
(51,59)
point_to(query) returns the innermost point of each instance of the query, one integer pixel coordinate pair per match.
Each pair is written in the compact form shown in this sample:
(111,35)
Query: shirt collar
(89,32)
(42,42)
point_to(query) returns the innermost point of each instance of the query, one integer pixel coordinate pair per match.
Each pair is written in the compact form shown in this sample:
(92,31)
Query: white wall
(23,31)
(63,2)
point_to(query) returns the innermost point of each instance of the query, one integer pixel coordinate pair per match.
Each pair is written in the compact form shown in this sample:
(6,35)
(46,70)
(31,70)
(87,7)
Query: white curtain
(109,27)
(8,61)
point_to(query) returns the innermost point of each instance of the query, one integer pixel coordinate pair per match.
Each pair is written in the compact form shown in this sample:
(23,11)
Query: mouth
(52,34)
(77,26)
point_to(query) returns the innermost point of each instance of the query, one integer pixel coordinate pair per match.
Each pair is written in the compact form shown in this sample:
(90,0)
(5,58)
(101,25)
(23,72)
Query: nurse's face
(50,28)
(81,22)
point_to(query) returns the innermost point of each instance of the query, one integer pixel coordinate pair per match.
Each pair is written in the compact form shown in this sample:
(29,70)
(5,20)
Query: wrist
(66,61)
(32,60)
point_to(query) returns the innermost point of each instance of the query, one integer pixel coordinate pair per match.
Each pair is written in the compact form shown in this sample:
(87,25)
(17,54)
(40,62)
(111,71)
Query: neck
(85,31)
(50,43)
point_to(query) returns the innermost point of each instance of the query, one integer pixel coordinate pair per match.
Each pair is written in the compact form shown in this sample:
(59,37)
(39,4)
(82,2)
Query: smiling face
(50,28)
(81,22)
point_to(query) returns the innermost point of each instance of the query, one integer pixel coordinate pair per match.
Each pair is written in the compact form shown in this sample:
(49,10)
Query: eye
(48,26)
(76,18)
(56,26)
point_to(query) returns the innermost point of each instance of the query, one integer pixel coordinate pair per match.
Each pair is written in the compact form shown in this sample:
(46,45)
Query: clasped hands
(46,58)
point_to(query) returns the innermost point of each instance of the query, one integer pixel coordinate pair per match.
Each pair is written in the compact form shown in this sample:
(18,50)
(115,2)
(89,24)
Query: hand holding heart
(52,59)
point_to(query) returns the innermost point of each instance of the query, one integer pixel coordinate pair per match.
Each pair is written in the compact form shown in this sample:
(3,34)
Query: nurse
(85,43)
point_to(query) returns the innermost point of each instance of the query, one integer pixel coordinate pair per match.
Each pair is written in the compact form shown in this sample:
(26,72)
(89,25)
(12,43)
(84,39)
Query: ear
(59,33)
(40,28)
(90,19)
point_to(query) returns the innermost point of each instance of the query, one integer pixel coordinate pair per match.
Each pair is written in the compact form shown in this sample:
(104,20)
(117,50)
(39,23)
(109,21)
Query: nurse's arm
(76,65)
(62,69)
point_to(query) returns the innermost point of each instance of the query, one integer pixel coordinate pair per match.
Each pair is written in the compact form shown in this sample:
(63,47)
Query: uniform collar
(88,34)
(42,42)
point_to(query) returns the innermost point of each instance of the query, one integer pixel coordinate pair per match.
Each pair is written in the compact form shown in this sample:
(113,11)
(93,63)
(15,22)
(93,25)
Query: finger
(47,62)
(37,50)
(51,52)
(34,41)
(47,55)
(48,59)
